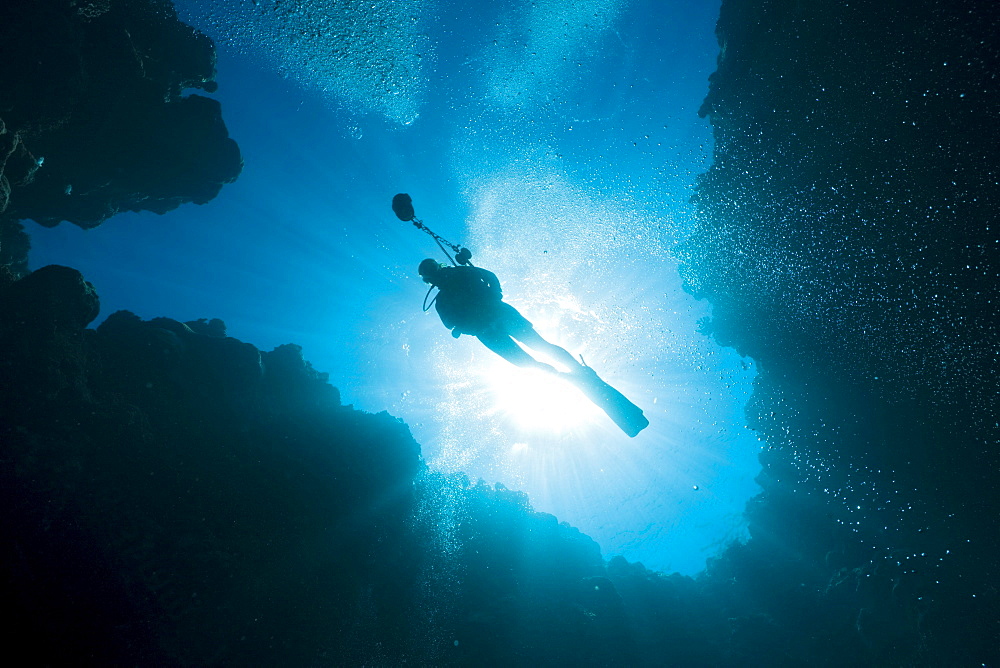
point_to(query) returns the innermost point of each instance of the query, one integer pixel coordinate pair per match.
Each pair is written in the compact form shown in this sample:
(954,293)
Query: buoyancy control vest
(469,298)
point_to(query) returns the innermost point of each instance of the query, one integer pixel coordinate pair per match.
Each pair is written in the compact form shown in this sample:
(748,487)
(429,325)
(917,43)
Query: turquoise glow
(560,142)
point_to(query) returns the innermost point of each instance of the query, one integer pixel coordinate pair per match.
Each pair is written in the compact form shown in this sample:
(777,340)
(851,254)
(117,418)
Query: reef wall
(848,243)
(159,478)
(96,115)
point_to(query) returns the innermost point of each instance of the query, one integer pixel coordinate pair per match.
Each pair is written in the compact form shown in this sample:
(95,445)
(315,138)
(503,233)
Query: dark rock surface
(95,117)
(848,243)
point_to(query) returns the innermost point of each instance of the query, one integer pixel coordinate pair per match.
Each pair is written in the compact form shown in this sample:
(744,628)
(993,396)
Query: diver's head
(428,270)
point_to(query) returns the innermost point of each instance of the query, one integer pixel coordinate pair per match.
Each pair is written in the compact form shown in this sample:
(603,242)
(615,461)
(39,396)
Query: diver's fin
(625,414)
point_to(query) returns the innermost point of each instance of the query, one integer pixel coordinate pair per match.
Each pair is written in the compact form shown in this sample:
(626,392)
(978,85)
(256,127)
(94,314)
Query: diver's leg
(518,327)
(529,337)
(505,347)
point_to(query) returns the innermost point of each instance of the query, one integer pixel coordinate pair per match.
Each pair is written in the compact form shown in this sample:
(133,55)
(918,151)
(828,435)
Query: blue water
(560,142)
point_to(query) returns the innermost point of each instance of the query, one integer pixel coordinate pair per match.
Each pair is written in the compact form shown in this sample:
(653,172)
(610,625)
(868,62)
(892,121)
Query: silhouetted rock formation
(848,244)
(94,118)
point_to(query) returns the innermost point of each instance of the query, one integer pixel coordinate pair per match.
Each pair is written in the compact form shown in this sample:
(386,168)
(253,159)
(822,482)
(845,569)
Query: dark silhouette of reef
(848,243)
(95,115)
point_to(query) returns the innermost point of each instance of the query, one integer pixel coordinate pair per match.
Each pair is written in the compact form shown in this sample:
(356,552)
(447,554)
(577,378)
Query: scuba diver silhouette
(470,301)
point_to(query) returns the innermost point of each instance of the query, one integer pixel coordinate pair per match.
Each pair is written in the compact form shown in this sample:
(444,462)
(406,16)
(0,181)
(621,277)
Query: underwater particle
(694,487)
(368,55)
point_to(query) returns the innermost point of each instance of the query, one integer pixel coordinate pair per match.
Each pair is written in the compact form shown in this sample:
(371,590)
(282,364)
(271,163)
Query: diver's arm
(456,331)
(446,315)
(447,318)
(493,282)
